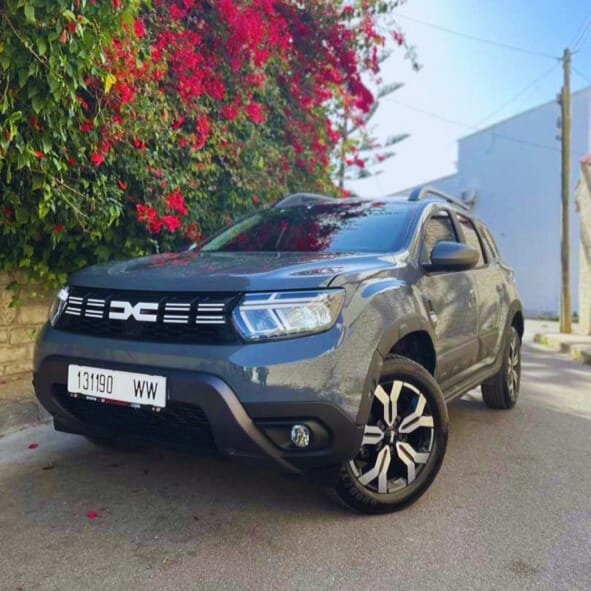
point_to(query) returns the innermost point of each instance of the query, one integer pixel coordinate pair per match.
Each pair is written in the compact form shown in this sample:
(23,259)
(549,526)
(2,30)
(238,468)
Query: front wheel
(403,444)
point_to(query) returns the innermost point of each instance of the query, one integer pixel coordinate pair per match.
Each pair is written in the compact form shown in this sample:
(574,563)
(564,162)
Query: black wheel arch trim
(403,327)
(392,335)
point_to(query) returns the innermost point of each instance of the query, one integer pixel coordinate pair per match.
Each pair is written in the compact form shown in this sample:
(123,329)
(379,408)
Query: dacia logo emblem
(142,311)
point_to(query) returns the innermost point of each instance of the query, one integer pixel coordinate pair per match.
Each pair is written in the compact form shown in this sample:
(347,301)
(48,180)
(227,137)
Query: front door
(451,302)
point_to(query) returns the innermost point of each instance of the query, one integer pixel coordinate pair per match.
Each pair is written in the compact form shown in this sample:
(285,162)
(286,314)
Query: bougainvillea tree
(131,126)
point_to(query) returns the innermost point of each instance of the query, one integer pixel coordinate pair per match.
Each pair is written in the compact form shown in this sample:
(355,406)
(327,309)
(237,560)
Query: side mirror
(452,256)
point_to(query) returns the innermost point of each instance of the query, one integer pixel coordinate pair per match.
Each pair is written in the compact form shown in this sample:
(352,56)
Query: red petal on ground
(33,445)
(92,515)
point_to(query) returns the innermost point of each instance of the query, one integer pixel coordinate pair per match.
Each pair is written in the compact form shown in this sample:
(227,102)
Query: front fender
(378,314)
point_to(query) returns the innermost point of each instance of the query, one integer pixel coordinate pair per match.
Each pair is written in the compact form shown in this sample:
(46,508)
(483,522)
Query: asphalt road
(511,509)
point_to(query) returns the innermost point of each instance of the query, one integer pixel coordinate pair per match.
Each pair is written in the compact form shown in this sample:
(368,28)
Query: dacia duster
(322,336)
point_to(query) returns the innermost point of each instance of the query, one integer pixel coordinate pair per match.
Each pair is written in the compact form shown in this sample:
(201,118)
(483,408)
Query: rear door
(489,285)
(502,287)
(450,299)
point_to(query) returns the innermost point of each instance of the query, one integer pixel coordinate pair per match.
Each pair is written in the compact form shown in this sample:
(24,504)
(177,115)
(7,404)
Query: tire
(502,390)
(404,442)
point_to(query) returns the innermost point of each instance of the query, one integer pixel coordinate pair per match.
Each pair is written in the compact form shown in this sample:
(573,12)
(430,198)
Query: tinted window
(471,236)
(437,229)
(342,227)
(490,242)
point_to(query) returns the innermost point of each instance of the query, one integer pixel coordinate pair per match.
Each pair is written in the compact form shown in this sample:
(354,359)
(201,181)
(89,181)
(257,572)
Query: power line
(472,127)
(478,39)
(584,38)
(523,91)
(583,76)
(429,114)
(579,32)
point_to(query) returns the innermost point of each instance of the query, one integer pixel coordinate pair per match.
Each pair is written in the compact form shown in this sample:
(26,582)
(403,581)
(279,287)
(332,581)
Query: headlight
(58,305)
(261,316)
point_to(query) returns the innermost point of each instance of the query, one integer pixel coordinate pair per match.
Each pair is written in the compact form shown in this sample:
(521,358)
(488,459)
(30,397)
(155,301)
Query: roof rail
(427,192)
(296,199)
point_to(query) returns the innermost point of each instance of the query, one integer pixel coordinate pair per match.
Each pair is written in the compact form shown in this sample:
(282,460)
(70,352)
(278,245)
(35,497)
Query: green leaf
(46,143)
(37,103)
(23,76)
(38,182)
(43,210)
(41,46)
(30,13)
(69,16)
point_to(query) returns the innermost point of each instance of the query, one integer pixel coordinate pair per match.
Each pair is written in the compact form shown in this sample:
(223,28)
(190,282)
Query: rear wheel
(502,390)
(404,441)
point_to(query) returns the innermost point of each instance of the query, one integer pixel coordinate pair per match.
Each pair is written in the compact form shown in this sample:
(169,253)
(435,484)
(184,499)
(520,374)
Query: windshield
(367,226)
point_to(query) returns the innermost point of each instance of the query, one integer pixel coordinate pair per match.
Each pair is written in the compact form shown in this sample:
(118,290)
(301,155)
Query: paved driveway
(511,509)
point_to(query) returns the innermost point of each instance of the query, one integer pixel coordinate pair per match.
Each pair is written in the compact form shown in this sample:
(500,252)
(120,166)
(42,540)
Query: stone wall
(18,329)
(584,209)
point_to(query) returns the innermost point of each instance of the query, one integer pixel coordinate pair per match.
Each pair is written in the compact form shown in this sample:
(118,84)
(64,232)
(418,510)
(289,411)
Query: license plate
(122,386)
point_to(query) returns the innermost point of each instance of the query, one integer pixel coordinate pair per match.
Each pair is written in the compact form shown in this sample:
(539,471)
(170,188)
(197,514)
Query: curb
(17,415)
(577,351)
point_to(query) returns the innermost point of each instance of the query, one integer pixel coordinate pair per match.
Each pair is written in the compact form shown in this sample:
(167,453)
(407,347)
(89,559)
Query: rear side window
(472,238)
(490,242)
(438,228)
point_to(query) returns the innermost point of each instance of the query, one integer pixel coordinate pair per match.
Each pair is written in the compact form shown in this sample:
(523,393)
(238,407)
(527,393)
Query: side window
(490,242)
(438,228)
(472,237)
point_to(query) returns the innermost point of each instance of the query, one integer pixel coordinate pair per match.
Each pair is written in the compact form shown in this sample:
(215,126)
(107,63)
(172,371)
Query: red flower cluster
(193,233)
(171,223)
(255,112)
(216,66)
(148,215)
(97,159)
(176,202)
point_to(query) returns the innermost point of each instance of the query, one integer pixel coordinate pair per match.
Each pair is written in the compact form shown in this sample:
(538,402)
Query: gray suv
(324,337)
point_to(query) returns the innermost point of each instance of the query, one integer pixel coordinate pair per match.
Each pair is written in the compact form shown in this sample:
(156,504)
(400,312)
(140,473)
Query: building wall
(584,207)
(514,169)
(18,329)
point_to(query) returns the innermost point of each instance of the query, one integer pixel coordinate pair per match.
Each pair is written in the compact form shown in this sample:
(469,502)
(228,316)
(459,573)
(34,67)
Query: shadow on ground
(510,504)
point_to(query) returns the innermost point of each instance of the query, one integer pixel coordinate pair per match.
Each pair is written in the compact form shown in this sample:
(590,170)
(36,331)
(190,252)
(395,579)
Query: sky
(465,85)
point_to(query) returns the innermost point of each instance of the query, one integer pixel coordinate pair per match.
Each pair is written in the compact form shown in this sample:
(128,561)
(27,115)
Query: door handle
(500,287)
(430,310)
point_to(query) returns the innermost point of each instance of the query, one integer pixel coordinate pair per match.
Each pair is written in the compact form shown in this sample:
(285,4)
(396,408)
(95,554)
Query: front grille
(149,316)
(178,423)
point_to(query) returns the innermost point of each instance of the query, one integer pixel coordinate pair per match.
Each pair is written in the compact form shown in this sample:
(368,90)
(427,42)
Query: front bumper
(203,412)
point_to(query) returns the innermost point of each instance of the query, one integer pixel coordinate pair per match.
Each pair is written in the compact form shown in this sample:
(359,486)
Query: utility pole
(565,299)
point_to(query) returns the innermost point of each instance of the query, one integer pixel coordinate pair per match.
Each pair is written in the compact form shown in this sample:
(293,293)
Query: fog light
(300,435)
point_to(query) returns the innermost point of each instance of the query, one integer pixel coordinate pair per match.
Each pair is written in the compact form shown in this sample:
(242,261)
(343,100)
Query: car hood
(228,271)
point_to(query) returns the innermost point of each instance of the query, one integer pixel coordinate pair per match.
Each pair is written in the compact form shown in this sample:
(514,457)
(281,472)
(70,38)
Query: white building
(512,173)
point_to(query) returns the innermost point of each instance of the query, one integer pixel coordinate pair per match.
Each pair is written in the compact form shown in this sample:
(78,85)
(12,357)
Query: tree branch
(28,45)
